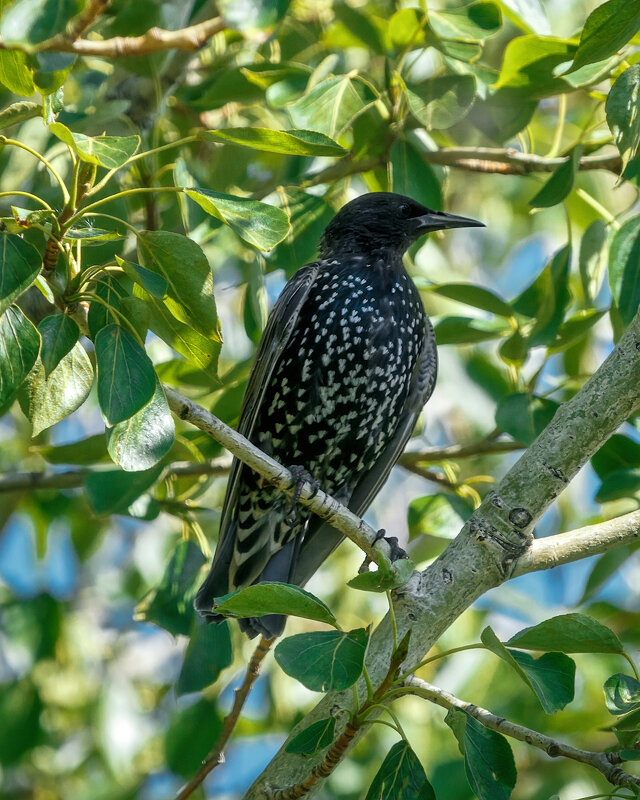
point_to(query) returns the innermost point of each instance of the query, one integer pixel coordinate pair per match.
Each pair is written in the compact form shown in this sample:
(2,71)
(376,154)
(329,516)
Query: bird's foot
(300,477)
(396,552)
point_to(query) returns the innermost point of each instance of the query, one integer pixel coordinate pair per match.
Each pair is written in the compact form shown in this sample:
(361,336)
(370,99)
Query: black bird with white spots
(344,367)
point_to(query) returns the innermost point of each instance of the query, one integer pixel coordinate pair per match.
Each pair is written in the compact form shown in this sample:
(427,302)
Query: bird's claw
(395,551)
(300,477)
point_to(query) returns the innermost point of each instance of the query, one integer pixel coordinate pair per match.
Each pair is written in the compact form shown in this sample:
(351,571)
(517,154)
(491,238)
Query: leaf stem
(443,654)
(124,193)
(34,197)
(43,160)
(596,206)
(633,664)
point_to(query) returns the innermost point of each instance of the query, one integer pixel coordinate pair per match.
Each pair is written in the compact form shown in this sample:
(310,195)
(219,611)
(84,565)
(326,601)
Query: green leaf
(89,235)
(203,351)
(314,738)
(272,597)
(617,453)
(568,633)
(551,676)
(468,330)
(575,328)
(32,21)
(257,223)
(619,484)
(591,261)
(524,416)
(514,350)
(18,112)
(530,62)
(434,520)
(331,105)
(405,28)
(547,298)
(401,777)
(170,604)
(19,347)
(111,152)
(310,215)
(604,568)
(20,265)
(100,315)
(113,491)
(190,736)
(189,291)
(560,183)
(624,268)
(476,21)
(622,693)
(608,28)
(153,282)
(53,397)
(381,580)
(140,442)
(126,380)
(87,451)
(254,14)
(622,112)
(528,15)
(16,75)
(292,142)
(208,653)
(324,661)
(412,176)
(21,709)
(59,334)
(441,102)
(475,296)
(488,762)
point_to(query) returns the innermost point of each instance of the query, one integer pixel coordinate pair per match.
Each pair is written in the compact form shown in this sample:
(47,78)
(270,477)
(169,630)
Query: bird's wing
(275,336)
(321,539)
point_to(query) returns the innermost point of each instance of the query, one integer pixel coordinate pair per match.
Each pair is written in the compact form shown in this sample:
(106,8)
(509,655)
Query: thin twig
(606,763)
(216,756)
(484,447)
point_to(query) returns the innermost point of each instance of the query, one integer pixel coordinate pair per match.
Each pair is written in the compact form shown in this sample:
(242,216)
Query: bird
(346,362)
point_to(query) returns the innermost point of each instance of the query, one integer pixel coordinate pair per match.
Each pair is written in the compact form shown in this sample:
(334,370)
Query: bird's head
(384,221)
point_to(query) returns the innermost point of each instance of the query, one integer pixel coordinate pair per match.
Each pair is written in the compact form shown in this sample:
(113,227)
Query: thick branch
(580,543)
(216,756)
(191,38)
(325,506)
(513,162)
(606,763)
(497,533)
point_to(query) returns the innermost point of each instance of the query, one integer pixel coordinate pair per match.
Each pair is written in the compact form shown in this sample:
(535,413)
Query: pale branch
(493,538)
(74,478)
(579,543)
(513,162)
(484,447)
(322,504)
(606,763)
(216,756)
(191,38)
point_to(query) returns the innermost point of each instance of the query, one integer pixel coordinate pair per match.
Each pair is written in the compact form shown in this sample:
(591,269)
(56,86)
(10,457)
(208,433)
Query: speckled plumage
(345,365)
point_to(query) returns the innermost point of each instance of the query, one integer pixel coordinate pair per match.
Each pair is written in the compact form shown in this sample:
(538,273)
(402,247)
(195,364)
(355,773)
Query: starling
(346,362)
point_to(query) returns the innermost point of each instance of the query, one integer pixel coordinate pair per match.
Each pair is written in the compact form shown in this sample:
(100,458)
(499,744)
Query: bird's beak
(438,220)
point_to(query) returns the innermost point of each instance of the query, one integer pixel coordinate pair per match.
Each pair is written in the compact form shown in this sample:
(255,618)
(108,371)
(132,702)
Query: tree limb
(579,543)
(493,538)
(606,763)
(513,162)
(325,506)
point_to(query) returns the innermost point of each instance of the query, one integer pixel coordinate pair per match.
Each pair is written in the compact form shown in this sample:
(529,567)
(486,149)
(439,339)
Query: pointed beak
(438,221)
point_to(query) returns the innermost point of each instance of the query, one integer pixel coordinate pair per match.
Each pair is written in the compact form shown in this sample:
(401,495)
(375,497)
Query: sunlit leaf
(624,268)
(20,264)
(208,653)
(105,151)
(273,598)
(19,347)
(568,633)
(524,416)
(331,105)
(401,777)
(291,142)
(608,28)
(59,334)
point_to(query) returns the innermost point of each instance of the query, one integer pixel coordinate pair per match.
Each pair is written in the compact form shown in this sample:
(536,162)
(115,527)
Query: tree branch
(153,40)
(493,538)
(606,763)
(580,543)
(513,162)
(325,506)
(484,447)
(216,756)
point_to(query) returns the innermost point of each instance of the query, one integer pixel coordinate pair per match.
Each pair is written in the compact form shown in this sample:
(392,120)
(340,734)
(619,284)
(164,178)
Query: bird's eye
(404,209)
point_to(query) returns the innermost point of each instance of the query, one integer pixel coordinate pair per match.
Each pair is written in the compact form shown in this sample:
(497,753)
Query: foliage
(153,204)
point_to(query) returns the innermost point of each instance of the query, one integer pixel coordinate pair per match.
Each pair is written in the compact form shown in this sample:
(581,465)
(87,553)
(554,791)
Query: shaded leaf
(591,261)
(324,661)
(292,142)
(441,102)
(331,105)
(524,416)
(190,735)
(272,597)
(153,282)
(621,108)
(101,314)
(560,183)
(624,268)
(547,298)
(568,633)
(18,112)
(53,397)
(20,265)
(59,334)
(314,738)
(382,580)
(412,176)
(619,484)
(530,62)
(574,328)
(257,223)
(476,21)
(608,28)
(475,296)
(19,347)
(87,451)
(141,441)
(208,653)
(488,762)
(604,568)
(126,380)
(105,151)
(622,693)
(468,330)
(401,777)
(113,491)
(170,604)
(617,453)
